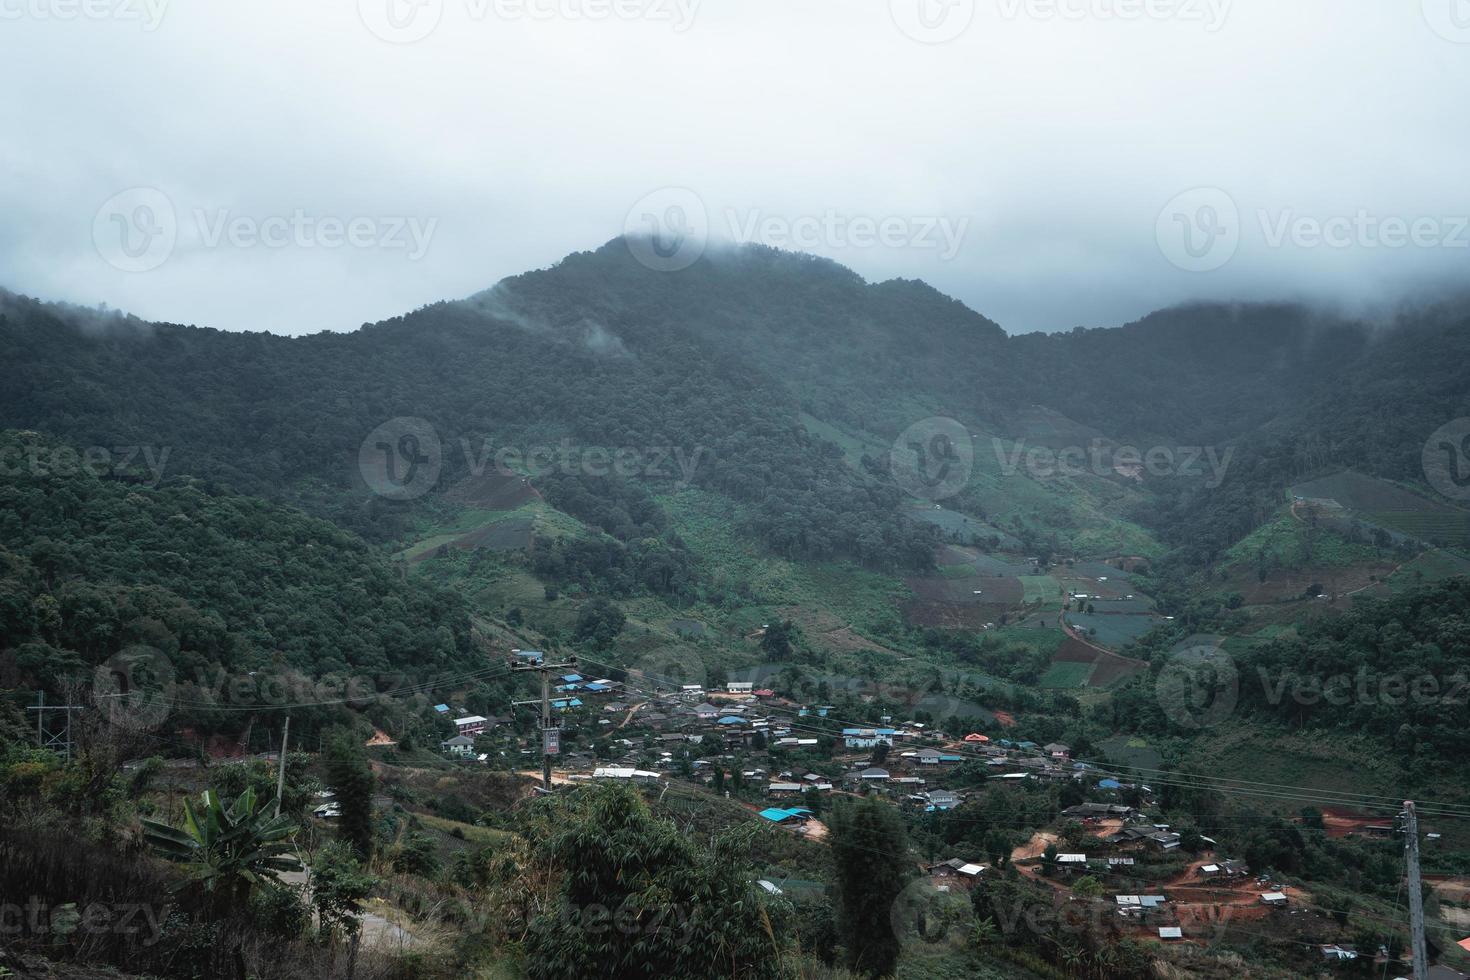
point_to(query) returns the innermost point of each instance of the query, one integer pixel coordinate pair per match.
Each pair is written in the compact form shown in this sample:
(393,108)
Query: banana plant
(229,850)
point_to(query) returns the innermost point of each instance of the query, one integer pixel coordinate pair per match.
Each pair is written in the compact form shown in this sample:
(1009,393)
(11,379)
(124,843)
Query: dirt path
(376,930)
(629,716)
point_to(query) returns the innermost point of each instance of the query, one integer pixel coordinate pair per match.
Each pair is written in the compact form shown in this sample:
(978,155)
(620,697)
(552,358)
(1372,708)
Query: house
(764,692)
(706,712)
(625,774)
(956,869)
(1338,954)
(472,725)
(460,745)
(975,738)
(784,789)
(1120,862)
(732,720)
(1164,840)
(1058,751)
(1170,932)
(739,687)
(795,815)
(1274,899)
(1072,859)
(942,799)
(867,738)
(441,709)
(872,775)
(927,757)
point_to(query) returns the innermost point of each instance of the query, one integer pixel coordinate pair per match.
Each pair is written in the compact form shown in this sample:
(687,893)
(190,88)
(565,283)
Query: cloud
(1048,137)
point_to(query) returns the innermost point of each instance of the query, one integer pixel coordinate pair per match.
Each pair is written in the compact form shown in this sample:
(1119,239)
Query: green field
(1041,588)
(1066,674)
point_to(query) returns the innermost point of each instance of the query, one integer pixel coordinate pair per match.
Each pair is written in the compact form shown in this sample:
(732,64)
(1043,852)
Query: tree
(639,898)
(230,851)
(598,624)
(776,643)
(869,855)
(350,776)
(338,887)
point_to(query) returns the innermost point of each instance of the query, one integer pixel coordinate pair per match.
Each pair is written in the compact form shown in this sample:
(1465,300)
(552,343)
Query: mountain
(760,357)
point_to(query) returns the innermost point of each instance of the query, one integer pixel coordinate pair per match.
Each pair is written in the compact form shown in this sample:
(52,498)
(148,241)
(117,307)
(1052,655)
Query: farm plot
(1107,668)
(1390,505)
(1113,629)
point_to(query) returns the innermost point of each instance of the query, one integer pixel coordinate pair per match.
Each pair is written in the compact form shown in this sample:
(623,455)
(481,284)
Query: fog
(301,167)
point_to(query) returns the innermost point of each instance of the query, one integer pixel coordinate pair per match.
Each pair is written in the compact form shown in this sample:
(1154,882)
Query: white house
(472,725)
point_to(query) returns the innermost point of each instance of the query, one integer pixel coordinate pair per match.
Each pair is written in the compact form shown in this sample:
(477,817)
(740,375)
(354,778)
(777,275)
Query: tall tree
(350,776)
(870,858)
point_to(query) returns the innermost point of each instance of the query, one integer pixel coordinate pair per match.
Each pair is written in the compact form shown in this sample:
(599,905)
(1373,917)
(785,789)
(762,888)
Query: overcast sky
(298,166)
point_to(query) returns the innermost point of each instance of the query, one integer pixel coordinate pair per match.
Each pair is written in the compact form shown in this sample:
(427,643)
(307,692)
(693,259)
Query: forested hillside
(728,357)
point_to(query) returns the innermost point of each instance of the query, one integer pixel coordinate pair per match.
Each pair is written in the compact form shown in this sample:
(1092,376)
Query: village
(783,761)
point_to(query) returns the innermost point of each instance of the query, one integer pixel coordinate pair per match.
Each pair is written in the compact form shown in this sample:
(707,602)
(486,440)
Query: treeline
(95,566)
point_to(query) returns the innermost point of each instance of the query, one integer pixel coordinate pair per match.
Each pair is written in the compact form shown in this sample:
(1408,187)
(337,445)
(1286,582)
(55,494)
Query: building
(956,870)
(1058,751)
(1274,899)
(867,738)
(739,687)
(784,789)
(625,774)
(461,746)
(472,725)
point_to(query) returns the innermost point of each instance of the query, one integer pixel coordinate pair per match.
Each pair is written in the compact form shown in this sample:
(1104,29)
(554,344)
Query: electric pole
(1416,894)
(281,775)
(550,734)
(48,737)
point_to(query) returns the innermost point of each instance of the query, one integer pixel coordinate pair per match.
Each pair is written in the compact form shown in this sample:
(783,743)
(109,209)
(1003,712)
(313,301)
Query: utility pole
(281,775)
(1416,893)
(550,734)
(48,737)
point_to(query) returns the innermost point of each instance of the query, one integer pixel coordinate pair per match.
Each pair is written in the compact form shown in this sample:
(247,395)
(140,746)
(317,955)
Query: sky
(296,167)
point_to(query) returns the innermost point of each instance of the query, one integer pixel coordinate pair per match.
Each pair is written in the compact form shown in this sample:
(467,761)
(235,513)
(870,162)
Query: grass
(1041,588)
(1066,674)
